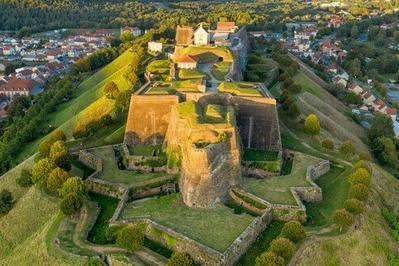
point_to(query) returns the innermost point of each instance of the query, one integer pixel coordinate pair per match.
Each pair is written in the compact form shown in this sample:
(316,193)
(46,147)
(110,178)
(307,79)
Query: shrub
(6,201)
(71,204)
(180,259)
(342,218)
(56,179)
(327,144)
(73,185)
(347,148)
(130,238)
(364,156)
(294,231)
(283,247)
(359,191)
(57,147)
(312,125)
(353,206)
(25,178)
(269,258)
(360,176)
(41,170)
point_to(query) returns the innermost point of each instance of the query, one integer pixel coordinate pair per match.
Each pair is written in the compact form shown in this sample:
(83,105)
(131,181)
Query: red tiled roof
(18,85)
(225,25)
(187,59)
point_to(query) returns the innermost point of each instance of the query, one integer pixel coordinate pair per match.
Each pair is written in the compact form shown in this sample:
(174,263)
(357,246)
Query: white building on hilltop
(201,36)
(155,47)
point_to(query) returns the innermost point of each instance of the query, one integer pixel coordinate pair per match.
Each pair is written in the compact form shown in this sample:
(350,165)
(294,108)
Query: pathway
(207,68)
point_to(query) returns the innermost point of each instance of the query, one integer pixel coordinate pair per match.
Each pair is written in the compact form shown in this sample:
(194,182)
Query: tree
(385,150)
(353,206)
(362,164)
(126,36)
(359,191)
(18,106)
(73,185)
(122,101)
(71,204)
(130,237)
(352,98)
(180,259)
(347,148)
(342,218)
(269,258)
(282,247)
(6,201)
(25,178)
(294,231)
(312,125)
(360,176)
(44,148)
(111,90)
(327,144)
(41,170)
(381,126)
(355,32)
(60,156)
(56,179)
(57,135)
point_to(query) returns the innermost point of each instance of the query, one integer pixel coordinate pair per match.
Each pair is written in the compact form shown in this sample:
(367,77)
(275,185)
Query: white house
(155,47)
(187,62)
(201,36)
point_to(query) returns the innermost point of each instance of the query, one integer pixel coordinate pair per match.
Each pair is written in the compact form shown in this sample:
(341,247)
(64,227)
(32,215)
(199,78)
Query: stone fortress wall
(148,118)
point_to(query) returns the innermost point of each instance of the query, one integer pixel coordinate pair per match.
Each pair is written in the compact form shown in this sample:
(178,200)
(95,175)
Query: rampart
(148,118)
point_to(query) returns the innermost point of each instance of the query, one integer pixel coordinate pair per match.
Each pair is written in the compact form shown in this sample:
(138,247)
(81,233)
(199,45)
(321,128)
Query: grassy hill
(86,93)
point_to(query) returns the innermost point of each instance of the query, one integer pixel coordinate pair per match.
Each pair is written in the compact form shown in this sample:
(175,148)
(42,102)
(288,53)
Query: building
(201,36)
(184,35)
(187,62)
(356,89)
(133,30)
(15,87)
(155,47)
(226,26)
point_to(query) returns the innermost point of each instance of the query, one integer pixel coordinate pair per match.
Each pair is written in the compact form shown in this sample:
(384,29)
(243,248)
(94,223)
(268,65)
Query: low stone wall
(105,188)
(246,205)
(148,192)
(90,160)
(289,212)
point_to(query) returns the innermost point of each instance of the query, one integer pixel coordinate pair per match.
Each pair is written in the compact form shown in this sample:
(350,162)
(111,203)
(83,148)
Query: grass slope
(86,93)
(370,243)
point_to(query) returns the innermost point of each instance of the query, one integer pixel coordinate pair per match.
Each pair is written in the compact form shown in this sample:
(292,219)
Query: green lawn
(107,208)
(113,174)
(262,243)
(164,88)
(191,74)
(159,67)
(208,54)
(87,92)
(220,70)
(144,150)
(215,227)
(259,155)
(277,189)
(245,89)
(335,188)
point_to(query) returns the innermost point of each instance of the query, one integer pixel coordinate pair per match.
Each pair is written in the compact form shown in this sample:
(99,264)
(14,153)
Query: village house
(226,26)
(155,47)
(355,88)
(133,30)
(201,36)
(15,87)
(184,36)
(368,98)
(340,81)
(187,62)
